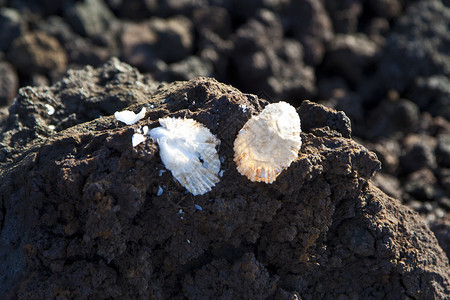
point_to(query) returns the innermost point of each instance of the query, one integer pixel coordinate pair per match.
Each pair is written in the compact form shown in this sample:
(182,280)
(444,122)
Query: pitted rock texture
(81,216)
(79,97)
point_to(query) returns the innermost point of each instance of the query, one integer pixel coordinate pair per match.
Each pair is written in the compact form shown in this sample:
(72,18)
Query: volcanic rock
(38,52)
(9,83)
(404,58)
(82,215)
(11,26)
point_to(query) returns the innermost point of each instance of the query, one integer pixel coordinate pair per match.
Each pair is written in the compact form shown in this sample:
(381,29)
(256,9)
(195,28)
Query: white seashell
(188,150)
(129,117)
(268,143)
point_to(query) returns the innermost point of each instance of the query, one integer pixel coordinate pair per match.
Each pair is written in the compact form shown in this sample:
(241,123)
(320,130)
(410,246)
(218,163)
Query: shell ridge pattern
(268,143)
(188,150)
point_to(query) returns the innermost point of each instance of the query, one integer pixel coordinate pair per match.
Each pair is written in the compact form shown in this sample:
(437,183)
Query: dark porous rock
(377,30)
(267,65)
(432,94)
(439,126)
(388,184)
(145,43)
(37,80)
(393,118)
(9,83)
(83,216)
(246,278)
(3,114)
(349,102)
(213,19)
(444,179)
(331,87)
(11,26)
(216,51)
(443,150)
(310,24)
(177,7)
(405,58)
(418,152)
(388,152)
(132,9)
(441,228)
(420,185)
(386,8)
(344,14)
(351,55)
(314,115)
(90,18)
(213,26)
(79,97)
(38,52)
(188,68)
(80,51)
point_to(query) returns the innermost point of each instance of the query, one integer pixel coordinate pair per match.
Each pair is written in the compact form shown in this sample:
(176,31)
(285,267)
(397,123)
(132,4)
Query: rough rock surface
(79,97)
(81,217)
(385,63)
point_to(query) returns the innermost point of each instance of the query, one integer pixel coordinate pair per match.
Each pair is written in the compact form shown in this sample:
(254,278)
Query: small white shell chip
(137,139)
(268,143)
(188,149)
(50,109)
(129,117)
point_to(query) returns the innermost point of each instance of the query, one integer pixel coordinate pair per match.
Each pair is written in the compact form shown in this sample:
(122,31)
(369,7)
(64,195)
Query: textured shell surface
(268,143)
(188,149)
(129,117)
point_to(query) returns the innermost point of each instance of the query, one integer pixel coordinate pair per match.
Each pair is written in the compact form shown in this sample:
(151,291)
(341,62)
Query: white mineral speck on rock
(160,191)
(50,109)
(129,117)
(243,107)
(137,139)
(51,127)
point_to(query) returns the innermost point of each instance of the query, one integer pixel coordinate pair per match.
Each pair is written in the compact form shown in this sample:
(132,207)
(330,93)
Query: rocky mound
(86,215)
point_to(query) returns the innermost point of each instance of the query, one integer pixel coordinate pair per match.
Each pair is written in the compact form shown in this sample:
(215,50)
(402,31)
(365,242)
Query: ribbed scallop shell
(188,149)
(268,143)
